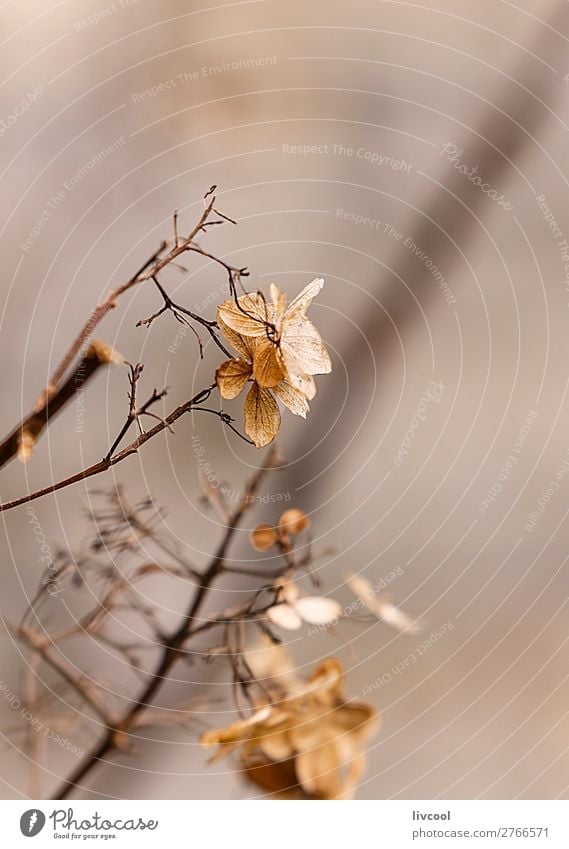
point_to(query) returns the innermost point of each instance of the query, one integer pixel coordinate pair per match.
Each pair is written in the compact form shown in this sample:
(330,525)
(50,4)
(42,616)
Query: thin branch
(166,254)
(105,464)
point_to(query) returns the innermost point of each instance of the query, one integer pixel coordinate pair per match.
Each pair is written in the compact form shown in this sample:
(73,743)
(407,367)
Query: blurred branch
(22,440)
(117,733)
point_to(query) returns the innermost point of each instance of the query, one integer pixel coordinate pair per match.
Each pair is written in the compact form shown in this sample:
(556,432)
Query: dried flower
(263,537)
(309,744)
(279,350)
(291,523)
(292,608)
(381,605)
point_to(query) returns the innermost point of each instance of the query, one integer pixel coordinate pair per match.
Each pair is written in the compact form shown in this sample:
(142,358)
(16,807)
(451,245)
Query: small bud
(263,537)
(293,522)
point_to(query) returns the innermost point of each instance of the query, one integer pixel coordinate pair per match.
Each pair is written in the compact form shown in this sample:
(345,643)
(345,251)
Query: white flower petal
(292,398)
(299,305)
(396,618)
(317,610)
(284,616)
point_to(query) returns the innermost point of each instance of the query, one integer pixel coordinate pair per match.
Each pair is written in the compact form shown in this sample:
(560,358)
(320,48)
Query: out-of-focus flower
(381,605)
(279,349)
(310,744)
(292,608)
(291,523)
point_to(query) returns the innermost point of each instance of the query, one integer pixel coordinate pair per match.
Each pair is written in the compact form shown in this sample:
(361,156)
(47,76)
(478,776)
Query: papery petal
(285,616)
(240,730)
(266,366)
(292,398)
(276,746)
(262,416)
(231,378)
(244,345)
(362,588)
(295,375)
(396,617)
(299,305)
(328,678)
(279,302)
(275,777)
(318,771)
(317,610)
(247,317)
(302,341)
(356,718)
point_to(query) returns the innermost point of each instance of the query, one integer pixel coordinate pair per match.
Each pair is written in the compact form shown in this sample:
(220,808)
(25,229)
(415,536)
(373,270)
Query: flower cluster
(279,350)
(306,740)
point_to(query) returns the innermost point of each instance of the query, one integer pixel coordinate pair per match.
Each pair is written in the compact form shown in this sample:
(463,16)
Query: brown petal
(266,367)
(231,378)
(244,345)
(293,521)
(248,317)
(262,416)
(318,771)
(263,537)
(300,304)
(275,777)
(293,400)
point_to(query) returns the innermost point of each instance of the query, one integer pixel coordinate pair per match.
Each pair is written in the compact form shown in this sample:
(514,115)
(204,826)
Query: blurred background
(347,140)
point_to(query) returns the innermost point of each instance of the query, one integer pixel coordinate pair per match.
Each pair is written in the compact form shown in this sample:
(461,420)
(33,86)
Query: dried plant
(295,737)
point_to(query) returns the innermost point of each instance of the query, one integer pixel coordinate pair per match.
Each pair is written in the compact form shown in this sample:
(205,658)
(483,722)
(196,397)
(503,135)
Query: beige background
(483,713)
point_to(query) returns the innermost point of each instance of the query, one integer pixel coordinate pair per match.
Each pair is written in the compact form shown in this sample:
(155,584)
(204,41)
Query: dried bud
(263,537)
(293,522)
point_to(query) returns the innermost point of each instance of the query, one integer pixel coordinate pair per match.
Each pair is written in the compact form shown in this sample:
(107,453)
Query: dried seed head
(263,537)
(293,522)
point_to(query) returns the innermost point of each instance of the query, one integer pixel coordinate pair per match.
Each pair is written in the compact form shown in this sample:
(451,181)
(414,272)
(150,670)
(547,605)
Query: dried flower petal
(266,367)
(381,605)
(292,398)
(247,317)
(262,416)
(317,610)
(231,378)
(285,616)
(293,521)
(263,537)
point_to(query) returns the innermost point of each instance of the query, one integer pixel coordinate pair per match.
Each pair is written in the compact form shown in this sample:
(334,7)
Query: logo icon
(32,822)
